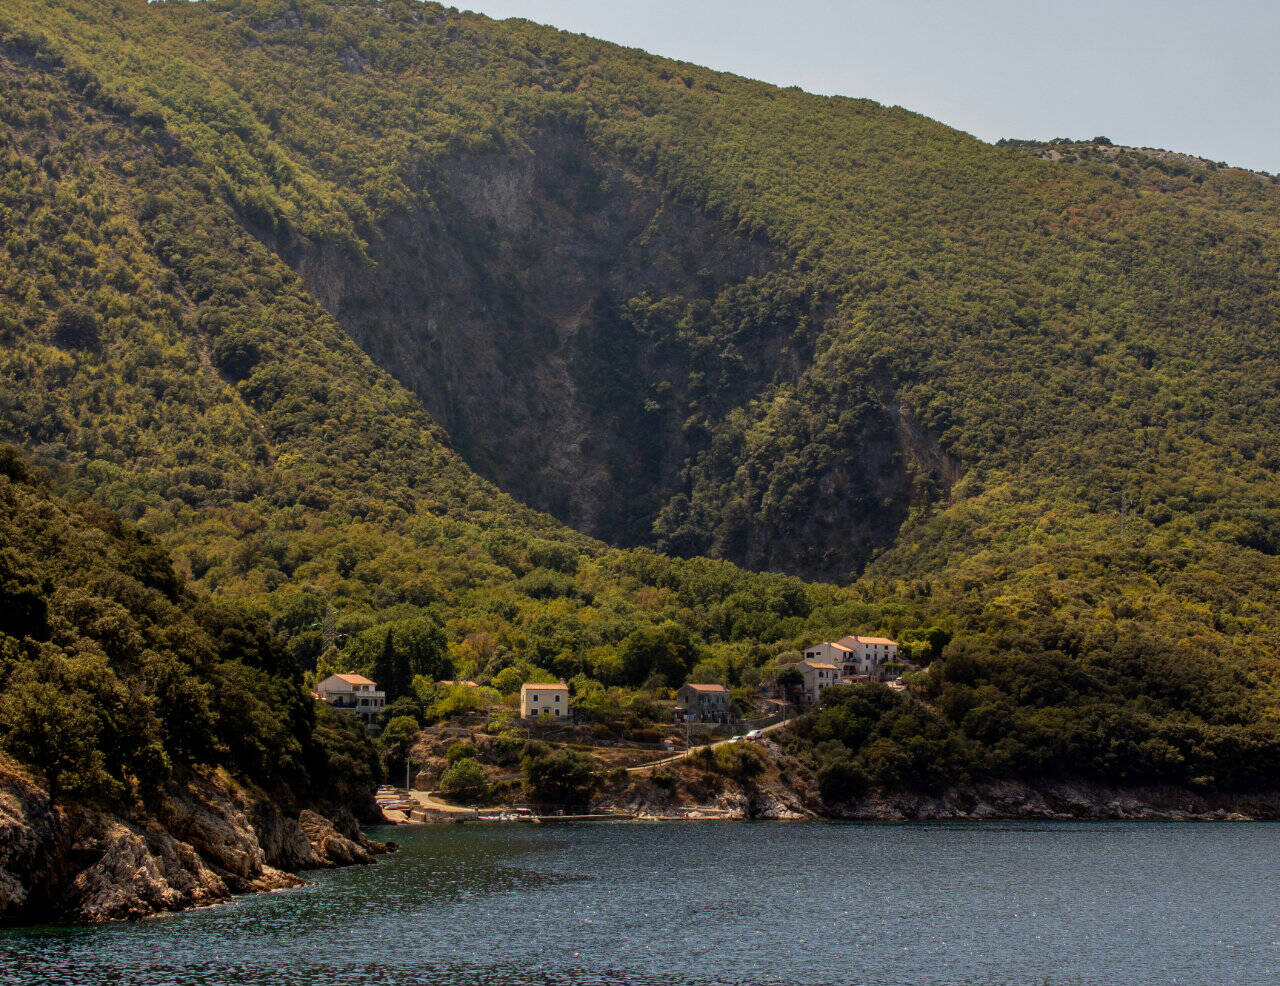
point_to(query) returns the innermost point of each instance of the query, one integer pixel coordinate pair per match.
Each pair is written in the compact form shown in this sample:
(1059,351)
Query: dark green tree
(561,778)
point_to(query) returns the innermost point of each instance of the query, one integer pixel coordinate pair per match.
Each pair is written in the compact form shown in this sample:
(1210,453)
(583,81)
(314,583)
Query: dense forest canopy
(1034,402)
(116,680)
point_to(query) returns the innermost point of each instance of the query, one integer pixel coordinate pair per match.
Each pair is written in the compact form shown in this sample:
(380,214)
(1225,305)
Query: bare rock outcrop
(201,843)
(283,841)
(332,847)
(33,841)
(135,871)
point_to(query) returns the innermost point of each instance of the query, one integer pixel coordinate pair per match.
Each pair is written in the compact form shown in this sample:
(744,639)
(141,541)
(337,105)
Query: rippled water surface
(725,903)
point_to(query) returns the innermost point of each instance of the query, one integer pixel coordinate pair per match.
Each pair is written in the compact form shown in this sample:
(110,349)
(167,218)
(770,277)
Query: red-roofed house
(706,703)
(855,655)
(353,693)
(818,677)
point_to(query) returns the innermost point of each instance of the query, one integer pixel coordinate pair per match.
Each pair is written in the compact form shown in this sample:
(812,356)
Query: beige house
(353,693)
(818,677)
(705,703)
(854,655)
(537,700)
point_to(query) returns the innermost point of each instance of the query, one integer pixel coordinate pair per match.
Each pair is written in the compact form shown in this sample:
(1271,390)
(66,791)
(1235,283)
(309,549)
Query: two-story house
(855,656)
(818,676)
(705,703)
(353,693)
(538,700)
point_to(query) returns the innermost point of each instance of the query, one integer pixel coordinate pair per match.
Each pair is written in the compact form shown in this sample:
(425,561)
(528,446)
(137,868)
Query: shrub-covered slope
(927,305)
(157,750)
(1032,401)
(173,368)
(117,681)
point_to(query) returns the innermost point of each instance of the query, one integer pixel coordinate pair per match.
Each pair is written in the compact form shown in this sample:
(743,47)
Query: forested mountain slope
(134,714)
(269,264)
(176,370)
(826,310)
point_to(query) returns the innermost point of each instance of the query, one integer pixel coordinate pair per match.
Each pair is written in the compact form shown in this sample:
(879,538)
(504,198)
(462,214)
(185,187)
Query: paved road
(694,749)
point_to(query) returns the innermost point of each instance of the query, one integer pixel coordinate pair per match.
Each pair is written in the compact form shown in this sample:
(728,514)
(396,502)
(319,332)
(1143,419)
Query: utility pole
(328,623)
(329,629)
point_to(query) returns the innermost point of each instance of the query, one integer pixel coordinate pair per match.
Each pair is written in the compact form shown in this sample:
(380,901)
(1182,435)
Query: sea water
(726,903)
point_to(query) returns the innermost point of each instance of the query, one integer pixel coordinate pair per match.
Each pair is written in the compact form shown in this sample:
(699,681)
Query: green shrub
(841,780)
(741,761)
(508,681)
(508,746)
(564,778)
(465,780)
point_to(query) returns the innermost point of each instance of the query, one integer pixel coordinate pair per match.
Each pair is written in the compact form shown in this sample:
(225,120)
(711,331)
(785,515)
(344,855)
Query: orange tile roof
(853,639)
(823,665)
(534,684)
(705,688)
(354,679)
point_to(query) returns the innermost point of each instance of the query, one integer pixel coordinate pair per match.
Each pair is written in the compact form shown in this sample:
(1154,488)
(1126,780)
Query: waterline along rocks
(201,843)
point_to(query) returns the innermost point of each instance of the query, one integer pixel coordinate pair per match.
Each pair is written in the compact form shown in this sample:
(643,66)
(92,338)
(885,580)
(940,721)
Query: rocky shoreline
(210,838)
(781,792)
(974,803)
(1065,801)
(202,843)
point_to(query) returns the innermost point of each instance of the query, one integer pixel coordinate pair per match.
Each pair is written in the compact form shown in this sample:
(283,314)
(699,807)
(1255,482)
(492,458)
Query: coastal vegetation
(1018,414)
(116,680)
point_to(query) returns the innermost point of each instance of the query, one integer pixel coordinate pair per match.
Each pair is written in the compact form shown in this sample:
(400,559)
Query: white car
(755,734)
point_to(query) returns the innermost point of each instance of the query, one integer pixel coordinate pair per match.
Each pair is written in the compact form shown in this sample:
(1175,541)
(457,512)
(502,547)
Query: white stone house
(855,656)
(353,693)
(538,700)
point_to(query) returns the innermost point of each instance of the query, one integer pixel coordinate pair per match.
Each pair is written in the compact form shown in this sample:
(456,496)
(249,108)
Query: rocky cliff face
(512,308)
(35,844)
(201,844)
(581,334)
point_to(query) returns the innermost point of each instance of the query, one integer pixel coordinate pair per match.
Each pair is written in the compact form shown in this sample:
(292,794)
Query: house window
(557,698)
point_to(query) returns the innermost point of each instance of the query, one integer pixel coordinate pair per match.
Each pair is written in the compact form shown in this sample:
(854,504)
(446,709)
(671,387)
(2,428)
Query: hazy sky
(1201,77)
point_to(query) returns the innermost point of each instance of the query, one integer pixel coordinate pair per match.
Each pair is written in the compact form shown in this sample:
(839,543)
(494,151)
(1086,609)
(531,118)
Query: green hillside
(117,681)
(277,276)
(173,368)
